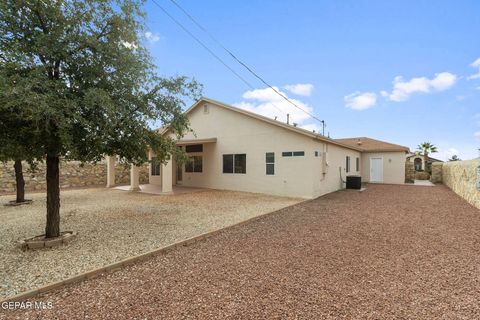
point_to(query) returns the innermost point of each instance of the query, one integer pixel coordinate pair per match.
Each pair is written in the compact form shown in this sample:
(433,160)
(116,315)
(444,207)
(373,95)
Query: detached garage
(382,162)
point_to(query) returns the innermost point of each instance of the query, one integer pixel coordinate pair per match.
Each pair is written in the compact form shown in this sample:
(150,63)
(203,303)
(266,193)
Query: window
(316,153)
(418,164)
(240,163)
(234,163)
(357,164)
(270,163)
(347,164)
(194,148)
(194,165)
(155,167)
(205,108)
(294,154)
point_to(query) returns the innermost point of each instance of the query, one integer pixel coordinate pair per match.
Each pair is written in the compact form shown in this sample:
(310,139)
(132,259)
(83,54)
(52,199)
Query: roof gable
(373,145)
(291,128)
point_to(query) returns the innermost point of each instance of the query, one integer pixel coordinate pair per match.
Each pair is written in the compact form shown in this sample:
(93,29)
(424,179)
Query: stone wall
(409,172)
(436,172)
(73,174)
(461,177)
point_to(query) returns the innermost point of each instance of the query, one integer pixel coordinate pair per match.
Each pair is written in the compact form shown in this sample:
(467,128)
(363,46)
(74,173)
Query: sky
(399,71)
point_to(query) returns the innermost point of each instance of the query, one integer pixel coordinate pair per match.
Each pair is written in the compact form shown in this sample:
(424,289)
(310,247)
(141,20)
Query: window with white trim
(235,163)
(270,163)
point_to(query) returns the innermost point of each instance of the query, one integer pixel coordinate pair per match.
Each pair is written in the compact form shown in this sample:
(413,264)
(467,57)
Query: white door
(376,169)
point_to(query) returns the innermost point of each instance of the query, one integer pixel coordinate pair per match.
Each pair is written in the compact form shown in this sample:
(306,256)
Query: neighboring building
(418,161)
(234,149)
(381,161)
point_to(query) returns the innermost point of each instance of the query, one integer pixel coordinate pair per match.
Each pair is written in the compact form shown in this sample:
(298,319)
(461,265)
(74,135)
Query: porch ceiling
(196,141)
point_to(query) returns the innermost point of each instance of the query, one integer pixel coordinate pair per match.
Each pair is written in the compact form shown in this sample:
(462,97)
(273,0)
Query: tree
(425,149)
(454,158)
(12,148)
(77,73)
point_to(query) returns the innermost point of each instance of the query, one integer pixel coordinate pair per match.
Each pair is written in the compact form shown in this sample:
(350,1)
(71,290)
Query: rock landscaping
(112,225)
(389,252)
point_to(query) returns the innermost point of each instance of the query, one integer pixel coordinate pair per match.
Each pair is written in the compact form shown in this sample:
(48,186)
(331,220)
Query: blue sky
(400,71)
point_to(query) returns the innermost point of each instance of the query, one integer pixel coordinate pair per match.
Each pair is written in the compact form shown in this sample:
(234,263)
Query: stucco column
(167,174)
(110,171)
(134,178)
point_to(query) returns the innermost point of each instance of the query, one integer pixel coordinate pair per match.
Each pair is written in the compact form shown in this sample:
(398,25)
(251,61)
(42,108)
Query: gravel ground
(390,252)
(113,225)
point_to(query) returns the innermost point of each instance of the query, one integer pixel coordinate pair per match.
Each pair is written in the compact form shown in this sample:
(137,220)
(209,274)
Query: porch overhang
(187,142)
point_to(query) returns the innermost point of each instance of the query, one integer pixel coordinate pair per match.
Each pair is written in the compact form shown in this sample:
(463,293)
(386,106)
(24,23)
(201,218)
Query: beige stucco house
(234,149)
(382,162)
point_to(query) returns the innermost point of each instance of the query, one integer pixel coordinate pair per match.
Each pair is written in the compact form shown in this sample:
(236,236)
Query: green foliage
(426,148)
(454,158)
(76,82)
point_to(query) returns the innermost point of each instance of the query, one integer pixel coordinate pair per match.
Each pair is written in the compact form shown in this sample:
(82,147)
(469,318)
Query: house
(234,149)
(419,163)
(381,161)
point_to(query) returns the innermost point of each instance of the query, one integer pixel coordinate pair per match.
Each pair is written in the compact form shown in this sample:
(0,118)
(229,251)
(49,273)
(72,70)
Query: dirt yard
(113,225)
(389,252)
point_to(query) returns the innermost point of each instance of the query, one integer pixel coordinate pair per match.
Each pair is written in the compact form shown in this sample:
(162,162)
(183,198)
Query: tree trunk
(20,182)
(53,198)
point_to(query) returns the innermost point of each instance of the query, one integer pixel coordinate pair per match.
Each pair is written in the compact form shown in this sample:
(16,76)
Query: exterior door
(179,173)
(376,169)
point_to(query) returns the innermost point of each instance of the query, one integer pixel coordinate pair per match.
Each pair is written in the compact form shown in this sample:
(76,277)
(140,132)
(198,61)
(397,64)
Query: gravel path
(113,225)
(390,252)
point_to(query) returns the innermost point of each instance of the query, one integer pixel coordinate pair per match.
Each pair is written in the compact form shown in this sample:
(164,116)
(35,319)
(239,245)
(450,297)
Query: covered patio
(162,178)
(154,189)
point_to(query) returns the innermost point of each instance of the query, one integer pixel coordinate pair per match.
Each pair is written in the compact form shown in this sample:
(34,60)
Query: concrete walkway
(423,183)
(390,252)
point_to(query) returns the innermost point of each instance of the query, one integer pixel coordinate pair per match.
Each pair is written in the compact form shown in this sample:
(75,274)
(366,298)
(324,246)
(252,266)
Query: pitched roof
(298,130)
(372,145)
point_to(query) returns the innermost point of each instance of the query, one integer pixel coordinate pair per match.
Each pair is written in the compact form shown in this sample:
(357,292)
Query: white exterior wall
(336,168)
(237,133)
(393,166)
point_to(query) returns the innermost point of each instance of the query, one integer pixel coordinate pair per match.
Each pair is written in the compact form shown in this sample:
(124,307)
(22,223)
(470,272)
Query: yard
(389,252)
(113,225)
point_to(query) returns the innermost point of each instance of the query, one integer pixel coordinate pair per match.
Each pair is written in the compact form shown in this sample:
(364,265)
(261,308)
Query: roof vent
(294,124)
(359,142)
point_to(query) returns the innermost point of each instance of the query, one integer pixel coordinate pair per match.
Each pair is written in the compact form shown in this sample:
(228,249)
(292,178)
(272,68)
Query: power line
(209,50)
(241,62)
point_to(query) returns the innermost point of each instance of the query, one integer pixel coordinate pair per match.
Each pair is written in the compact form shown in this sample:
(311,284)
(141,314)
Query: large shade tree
(77,73)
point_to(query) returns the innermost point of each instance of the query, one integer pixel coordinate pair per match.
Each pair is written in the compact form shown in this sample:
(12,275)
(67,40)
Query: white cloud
(360,101)
(301,89)
(475,64)
(403,89)
(152,37)
(268,103)
(477,135)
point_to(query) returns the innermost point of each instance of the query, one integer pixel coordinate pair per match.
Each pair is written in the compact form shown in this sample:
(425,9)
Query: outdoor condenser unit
(354,182)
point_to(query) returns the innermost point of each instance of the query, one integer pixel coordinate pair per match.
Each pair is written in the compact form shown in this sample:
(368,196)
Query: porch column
(110,171)
(134,178)
(167,175)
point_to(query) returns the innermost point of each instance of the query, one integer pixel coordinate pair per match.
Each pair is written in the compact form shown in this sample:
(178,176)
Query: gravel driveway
(390,252)
(113,225)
